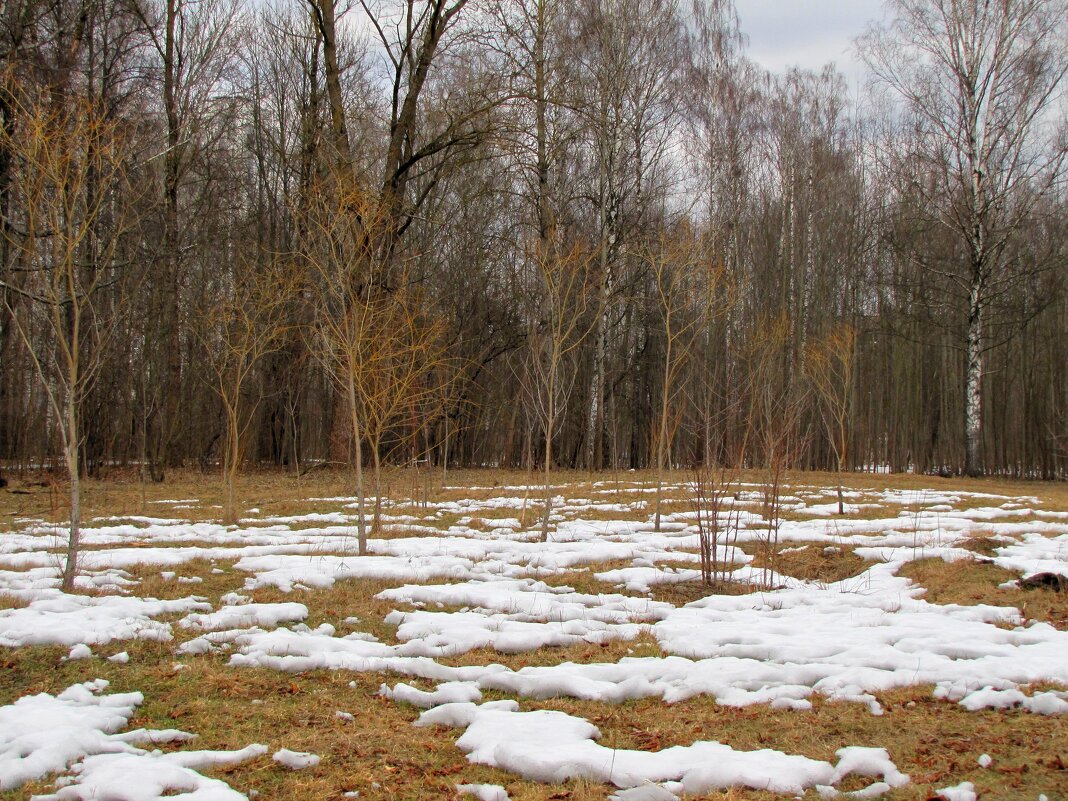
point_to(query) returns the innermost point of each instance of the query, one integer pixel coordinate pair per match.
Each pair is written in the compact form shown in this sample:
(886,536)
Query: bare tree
(714,492)
(399,376)
(776,416)
(340,256)
(558,325)
(245,323)
(830,364)
(70,168)
(686,286)
(383,351)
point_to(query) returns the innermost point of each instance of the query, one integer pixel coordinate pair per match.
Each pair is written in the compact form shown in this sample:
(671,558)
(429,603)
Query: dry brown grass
(967,582)
(937,743)
(684,592)
(583,579)
(281,493)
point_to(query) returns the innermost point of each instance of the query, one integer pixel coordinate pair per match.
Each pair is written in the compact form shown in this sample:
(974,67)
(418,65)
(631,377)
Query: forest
(529,233)
(531,399)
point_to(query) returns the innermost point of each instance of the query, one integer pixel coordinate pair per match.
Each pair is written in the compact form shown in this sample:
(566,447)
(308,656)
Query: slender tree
(245,322)
(70,173)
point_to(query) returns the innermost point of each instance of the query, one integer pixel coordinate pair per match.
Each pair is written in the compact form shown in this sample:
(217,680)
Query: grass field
(374,749)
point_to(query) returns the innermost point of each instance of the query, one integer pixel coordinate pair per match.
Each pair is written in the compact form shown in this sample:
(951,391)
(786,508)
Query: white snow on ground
(1035,554)
(438,634)
(299,572)
(1044,703)
(56,618)
(474,583)
(534,600)
(296,760)
(298,650)
(42,734)
(141,776)
(484,792)
(862,636)
(232,617)
(80,651)
(646,792)
(449,692)
(965,791)
(153,776)
(76,731)
(512,616)
(550,746)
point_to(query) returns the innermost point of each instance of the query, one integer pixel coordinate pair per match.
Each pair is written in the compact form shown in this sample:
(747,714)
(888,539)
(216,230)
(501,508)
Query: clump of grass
(816,563)
(684,592)
(984,546)
(11,602)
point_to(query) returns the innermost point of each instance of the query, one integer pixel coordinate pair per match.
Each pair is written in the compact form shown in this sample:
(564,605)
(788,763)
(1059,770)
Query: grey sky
(806,33)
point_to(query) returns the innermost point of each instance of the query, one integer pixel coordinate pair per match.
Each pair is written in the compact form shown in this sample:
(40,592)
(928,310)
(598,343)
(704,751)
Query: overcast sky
(806,33)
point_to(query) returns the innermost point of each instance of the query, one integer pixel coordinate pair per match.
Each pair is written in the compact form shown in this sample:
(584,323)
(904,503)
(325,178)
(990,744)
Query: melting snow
(550,746)
(463,588)
(76,731)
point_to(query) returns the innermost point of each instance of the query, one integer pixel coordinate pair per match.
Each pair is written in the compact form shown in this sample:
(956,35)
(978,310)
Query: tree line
(528,233)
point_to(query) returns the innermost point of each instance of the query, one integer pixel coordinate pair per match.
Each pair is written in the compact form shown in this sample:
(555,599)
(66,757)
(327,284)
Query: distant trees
(193,48)
(628,93)
(567,234)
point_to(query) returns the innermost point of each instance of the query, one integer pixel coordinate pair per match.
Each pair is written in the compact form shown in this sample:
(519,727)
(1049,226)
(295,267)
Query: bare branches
(247,321)
(830,367)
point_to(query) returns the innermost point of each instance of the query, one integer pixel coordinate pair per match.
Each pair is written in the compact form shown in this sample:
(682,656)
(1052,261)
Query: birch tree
(982,79)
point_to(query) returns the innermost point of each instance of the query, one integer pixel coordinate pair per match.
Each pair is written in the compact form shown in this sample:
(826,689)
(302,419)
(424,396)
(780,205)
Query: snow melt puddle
(77,732)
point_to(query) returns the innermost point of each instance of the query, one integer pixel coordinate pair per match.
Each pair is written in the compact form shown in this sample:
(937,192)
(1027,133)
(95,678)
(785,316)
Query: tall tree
(626,51)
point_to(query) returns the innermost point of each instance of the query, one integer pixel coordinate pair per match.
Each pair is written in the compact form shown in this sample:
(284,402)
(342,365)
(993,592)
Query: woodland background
(519,232)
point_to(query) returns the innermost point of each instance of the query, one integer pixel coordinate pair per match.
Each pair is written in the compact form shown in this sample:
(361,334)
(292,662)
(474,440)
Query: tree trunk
(376,522)
(361,515)
(170,289)
(550,414)
(661,443)
(230,457)
(70,570)
(973,392)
